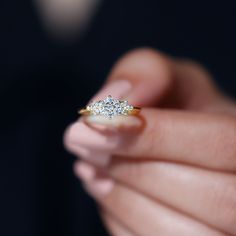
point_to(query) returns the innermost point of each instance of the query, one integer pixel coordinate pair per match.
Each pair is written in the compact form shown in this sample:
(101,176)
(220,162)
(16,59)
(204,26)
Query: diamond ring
(110,107)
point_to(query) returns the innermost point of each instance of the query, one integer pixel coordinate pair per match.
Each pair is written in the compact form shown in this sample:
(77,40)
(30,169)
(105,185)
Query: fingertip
(84,171)
(150,73)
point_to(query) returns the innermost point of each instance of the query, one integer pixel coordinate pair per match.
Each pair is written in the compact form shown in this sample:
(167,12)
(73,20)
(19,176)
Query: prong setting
(109,107)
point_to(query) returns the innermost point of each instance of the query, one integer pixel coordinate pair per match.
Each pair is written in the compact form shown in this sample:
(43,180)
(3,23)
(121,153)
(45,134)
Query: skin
(171,170)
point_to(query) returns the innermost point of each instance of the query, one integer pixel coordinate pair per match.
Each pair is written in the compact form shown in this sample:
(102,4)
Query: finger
(114,226)
(141,76)
(194,89)
(208,196)
(100,159)
(200,139)
(147,77)
(141,215)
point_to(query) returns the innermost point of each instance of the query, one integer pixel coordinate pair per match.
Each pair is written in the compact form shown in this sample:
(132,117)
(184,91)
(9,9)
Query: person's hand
(171,171)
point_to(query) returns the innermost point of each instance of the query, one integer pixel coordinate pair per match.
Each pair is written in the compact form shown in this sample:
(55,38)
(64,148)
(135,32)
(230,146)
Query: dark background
(43,82)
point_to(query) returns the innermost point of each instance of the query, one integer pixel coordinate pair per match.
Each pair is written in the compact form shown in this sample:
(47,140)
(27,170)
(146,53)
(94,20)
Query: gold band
(85,112)
(135,111)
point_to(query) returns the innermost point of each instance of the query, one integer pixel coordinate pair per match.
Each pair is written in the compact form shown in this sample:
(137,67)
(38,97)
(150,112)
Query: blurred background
(54,55)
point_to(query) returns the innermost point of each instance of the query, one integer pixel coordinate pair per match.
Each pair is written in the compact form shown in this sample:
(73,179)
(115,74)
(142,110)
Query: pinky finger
(114,226)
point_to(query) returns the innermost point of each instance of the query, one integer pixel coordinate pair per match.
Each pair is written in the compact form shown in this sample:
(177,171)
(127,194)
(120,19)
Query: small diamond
(110,107)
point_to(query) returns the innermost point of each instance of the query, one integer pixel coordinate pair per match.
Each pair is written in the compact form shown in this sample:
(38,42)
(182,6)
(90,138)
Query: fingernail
(121,123)
(100,159)
(85,171)
(88,138)
(118,89)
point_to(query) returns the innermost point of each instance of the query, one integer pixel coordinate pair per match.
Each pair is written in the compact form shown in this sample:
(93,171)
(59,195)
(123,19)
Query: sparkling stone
(110,107)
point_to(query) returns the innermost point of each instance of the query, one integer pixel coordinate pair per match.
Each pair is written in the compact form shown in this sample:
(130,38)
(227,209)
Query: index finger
(194,138)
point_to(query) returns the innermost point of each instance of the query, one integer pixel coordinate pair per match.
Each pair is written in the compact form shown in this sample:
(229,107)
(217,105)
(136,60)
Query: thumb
(141,76)
(148,78)
(194,89)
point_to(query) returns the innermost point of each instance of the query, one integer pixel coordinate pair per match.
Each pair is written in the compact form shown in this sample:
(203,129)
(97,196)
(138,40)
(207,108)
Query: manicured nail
(100,159)
(85,171)
(88,138)
(118,89)
(121,123)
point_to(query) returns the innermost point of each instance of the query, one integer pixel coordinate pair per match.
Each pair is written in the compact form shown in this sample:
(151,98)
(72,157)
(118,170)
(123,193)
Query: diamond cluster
(109,107)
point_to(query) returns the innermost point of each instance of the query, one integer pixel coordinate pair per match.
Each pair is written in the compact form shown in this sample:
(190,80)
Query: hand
(170,171)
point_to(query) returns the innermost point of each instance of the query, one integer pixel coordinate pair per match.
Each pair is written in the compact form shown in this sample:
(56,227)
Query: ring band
(84,111)
(110,107)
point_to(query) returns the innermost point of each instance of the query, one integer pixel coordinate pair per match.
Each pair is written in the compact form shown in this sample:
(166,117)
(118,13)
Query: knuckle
(194,66)
(197,71)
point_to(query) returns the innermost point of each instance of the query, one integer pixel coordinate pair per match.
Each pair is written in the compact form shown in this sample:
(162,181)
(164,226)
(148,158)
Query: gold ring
(110,107)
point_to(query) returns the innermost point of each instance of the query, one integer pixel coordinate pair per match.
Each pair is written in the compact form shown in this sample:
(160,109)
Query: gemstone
(110,107)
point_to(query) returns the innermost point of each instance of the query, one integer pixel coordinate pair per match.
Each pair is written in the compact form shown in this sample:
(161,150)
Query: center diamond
(110,107)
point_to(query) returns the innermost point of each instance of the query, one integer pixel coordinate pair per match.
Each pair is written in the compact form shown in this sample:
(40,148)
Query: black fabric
(43,82)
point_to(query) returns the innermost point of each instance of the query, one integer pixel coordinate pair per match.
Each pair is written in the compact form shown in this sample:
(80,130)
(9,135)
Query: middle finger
(206,195)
